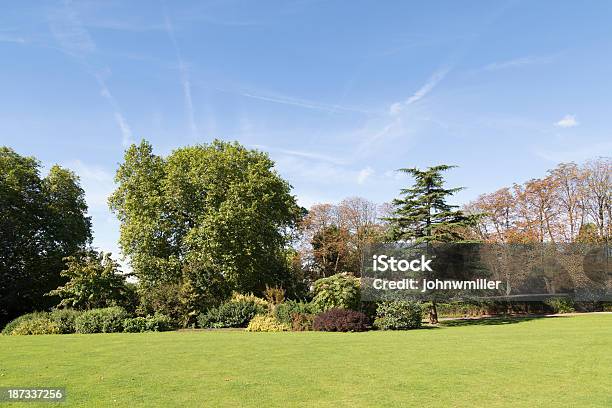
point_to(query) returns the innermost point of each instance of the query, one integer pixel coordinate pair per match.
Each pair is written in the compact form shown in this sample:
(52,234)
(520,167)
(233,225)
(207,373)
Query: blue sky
(339,93)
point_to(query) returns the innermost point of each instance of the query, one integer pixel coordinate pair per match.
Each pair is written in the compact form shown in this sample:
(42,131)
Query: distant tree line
(210,220)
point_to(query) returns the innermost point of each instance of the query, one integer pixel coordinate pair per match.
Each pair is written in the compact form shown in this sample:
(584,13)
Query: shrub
(341,320)
(398,315)
(230,314)
(8,329)
(338,291)
(274,295)
(561,304)
(135,325)
(302,322)
(159,322)
(284,312)
(65,319)
(37,325)
(106,320)
(261,323)
(239,297)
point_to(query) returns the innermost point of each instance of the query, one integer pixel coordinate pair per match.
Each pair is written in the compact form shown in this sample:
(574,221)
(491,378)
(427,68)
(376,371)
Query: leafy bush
(284,312)
(239,297)
(341,320)
(230,314)
(65,319)
(338,291)
(261,323)
(135,325)
(274,295)
(106,320)
(302,322)
(159,322)
(8,329)
(37,325)
(398,315)
(561,304)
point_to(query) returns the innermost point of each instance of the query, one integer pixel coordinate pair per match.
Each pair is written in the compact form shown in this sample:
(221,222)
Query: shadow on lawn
(491,321)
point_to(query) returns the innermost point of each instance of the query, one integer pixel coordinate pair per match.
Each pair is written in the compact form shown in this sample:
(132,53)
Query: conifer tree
(422,214)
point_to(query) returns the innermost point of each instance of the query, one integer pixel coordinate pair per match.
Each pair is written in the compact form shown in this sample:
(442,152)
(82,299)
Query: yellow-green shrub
(41,325)
(261,323)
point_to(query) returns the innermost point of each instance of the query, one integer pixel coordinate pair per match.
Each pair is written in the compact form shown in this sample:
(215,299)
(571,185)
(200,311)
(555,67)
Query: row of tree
(571,203)
(207,220)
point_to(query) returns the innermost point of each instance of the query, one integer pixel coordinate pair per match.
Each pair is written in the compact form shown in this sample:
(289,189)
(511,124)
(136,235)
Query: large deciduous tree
(208,214)
(42,220)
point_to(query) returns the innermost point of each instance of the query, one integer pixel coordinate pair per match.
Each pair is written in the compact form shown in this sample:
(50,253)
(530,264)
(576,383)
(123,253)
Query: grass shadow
(491,321)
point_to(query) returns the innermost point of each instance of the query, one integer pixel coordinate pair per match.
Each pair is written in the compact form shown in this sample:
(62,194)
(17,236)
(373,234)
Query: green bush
(561,304)
(284,312)
(159,322)
(105,320)
(261,323)
(8,329)
(239,297)
(302,322)
(38,325)
(65,319)
(398,315)
(135,325)
(338,291)
(230,314)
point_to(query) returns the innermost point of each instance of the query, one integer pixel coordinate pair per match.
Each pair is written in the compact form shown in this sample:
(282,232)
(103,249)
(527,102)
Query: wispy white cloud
(74,40)
(518,62)
(126,132)
(184,77)
(299,102)
(364,174)
(423,91)
(301,153)
(567,121)
(71,35)
(575,154)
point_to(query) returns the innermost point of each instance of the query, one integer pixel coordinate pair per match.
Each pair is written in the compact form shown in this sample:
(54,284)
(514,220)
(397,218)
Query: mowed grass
(548,362)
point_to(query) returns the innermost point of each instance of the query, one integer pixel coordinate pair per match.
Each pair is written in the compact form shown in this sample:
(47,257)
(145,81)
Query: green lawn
(549,362)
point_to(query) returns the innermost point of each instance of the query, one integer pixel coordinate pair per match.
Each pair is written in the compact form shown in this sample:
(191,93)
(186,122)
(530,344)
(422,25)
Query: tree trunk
(433,313)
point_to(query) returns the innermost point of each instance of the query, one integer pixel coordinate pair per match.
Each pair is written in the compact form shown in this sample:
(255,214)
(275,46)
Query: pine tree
(422,214)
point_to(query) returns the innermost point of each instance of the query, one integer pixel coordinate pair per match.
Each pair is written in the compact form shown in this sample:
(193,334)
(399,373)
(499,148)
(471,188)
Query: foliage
(65,319)
(157,322)
(239,297)
(106,320)
(274,295)
(338,291)
(341,320)
(38,325)
(561,304)
(135,324)
(423,214)
(230,314)
(161,298)
(398,315)
(94,281)
(284,312)
(266,323)
(8,329)
(220,205)
(42,220)
(334,238)
(302,321)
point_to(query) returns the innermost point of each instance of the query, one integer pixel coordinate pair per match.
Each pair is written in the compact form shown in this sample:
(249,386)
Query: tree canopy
(42,220)
(204,214)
